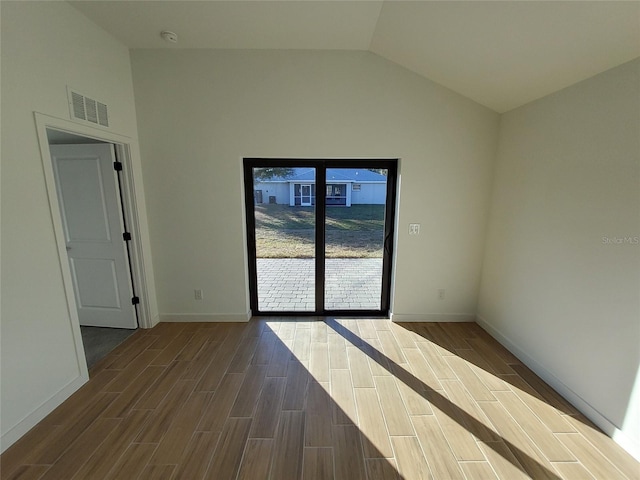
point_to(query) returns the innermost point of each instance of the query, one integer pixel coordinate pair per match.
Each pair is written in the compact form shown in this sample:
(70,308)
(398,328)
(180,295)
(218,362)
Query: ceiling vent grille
(87,109)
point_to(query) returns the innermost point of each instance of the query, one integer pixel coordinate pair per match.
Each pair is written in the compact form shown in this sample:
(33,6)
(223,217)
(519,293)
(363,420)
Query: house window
(336,194)
(356,187)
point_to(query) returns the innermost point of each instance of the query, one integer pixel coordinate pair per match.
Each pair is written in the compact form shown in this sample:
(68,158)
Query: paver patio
(287,284)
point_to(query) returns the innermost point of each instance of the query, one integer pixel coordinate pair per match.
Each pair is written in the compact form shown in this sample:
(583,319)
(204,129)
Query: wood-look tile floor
(334,399)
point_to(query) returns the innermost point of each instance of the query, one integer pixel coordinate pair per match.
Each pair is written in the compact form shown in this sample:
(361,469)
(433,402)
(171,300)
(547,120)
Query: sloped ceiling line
(501,54)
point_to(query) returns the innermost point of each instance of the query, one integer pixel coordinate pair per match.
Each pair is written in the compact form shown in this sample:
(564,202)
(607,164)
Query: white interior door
(92,220)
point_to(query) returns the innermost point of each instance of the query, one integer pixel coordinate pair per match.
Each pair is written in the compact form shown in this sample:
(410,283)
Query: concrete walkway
(287,284)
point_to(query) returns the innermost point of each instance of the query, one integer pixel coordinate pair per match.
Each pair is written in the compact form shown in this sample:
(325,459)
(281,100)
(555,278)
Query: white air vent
(87,109)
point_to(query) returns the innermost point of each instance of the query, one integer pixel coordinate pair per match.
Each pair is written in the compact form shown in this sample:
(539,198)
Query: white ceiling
(501,54)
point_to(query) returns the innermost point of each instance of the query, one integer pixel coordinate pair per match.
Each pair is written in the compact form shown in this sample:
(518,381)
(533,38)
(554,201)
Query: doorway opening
(323,243)
(51,132)
(88,184)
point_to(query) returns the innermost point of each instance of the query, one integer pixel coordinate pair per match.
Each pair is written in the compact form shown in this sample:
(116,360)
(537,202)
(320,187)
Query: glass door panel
(285,219)
(356,201)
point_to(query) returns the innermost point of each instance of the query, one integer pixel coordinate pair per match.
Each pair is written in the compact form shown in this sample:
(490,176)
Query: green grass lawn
(288,232)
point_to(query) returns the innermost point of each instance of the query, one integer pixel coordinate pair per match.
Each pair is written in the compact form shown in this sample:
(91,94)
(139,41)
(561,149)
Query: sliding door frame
(321,165)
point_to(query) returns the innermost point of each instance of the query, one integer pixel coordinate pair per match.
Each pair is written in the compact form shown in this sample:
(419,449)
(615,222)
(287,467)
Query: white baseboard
(622,439)
(432,317)
(31,420)
(209,317)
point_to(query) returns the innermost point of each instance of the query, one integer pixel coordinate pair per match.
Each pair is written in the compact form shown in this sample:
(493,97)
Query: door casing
(127,151)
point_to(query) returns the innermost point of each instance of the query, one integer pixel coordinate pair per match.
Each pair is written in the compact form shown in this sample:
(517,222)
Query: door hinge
(126,236)
(117,166)
(135,300)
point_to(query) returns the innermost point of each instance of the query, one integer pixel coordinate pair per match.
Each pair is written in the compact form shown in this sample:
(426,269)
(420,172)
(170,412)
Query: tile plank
(319,362)
(132,462)
(412,390)
(267,412)
(436,361)
(396,416)
(474,418)
(318,425)
(489,354)
(478,471)
(343,403)
(544,439)
(256,460)
(369,416)
(347,451)
(162,416)
(573,471)
(161,387)
(620,458)
(476,388)
(453,421)
(157,472)
(26,472)
(197,455)
(548,415)
(244,355)
(123,404)
(279,362)
(218,367)
(296,386)
(265,347)
(174,441)
(593,460)
(359,366)
(411,461)
(382,469)
(249,393)
(85,445)
(391,348)
(101,462)
(552,397)
(522,447)
(504,463)
(63,437)
(228,454)
(317,464)
(287,454)
(441,460)
(337,351)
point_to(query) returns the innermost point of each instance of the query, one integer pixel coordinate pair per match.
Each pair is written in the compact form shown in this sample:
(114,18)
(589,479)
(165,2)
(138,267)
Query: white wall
(280,190)
(200,112)
(45,47)
(567,176)
(369,194)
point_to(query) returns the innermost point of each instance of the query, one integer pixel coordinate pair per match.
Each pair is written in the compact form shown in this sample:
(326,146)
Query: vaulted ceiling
(501,54)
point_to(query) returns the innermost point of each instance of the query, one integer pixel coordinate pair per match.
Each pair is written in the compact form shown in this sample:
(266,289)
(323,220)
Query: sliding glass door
(319,235)
(354,219)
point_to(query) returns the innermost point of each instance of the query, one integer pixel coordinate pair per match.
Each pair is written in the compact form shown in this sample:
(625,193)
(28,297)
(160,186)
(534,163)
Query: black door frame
(321,165)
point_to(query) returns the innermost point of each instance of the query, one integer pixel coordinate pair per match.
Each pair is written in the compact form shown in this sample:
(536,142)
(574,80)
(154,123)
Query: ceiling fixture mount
(169,36)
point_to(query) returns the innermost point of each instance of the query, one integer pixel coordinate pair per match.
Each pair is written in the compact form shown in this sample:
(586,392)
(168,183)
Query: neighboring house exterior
(345,187)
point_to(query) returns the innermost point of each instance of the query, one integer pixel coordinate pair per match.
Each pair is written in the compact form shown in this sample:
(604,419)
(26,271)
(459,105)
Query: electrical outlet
(441,294)
(197,294)
(414,229)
